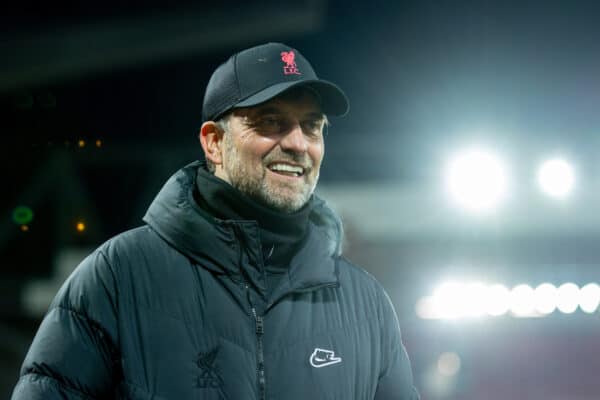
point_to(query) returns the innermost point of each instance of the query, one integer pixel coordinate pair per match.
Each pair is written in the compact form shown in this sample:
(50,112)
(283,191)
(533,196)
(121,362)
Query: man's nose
(294,139)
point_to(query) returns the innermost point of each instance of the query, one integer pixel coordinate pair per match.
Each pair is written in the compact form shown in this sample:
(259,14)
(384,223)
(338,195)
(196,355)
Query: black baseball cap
(258,74)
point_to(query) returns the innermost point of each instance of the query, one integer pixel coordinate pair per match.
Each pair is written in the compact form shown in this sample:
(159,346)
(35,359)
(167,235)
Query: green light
(22,215)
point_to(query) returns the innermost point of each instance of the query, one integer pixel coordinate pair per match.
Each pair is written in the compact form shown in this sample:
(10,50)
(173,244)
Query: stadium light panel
(467,300)
(568,298)
(522,303)
(475,295)
(497,300)
(449,299)
(556,178)
(476,180)
(545,296)
(589,298)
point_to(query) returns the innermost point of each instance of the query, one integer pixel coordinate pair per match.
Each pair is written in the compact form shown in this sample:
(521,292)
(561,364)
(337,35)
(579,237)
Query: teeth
(287,168)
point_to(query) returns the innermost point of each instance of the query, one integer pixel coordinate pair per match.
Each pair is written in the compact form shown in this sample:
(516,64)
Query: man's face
(272,152)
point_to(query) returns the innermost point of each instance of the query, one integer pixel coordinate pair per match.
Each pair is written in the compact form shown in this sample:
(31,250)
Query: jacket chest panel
(327,354)
(339,364)
(201,341)
(193,344)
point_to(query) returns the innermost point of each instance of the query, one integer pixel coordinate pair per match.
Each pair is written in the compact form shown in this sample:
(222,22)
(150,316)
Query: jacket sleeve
(395,379)
(73,354)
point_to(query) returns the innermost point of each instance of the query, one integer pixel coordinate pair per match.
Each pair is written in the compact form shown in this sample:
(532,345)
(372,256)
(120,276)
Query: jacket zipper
(258,320)
(260,358)
(259,329)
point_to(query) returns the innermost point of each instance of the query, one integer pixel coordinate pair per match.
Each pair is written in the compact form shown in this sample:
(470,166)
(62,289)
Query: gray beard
(257,188)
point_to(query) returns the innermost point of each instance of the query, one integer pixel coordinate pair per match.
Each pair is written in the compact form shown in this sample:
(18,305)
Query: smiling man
(236,287)
(273,151)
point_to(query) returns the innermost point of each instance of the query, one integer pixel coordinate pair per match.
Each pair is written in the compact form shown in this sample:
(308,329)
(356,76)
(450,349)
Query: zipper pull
(259,325)
(259,322)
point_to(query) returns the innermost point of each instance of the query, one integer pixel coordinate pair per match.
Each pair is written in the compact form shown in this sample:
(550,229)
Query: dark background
(424,78)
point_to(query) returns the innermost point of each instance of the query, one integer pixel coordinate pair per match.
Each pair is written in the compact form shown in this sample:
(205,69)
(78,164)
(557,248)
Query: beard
(252,180)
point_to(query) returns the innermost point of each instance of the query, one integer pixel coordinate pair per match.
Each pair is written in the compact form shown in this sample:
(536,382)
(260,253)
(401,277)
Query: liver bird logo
(289,58)
(208,376)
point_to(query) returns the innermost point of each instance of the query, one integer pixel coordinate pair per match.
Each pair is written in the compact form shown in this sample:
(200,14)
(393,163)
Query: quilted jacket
(178,309)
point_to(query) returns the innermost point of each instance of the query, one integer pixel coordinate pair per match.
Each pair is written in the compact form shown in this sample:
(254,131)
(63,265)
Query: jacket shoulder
(138,249)
(137,239)
(356,273)
(99,277)
(367,290)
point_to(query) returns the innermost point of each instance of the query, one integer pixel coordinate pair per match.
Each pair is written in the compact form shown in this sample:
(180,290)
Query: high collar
(223,247)
(277,229)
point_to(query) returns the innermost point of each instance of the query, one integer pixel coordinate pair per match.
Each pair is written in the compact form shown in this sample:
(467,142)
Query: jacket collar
(221,245)
(225,202)
(279,233)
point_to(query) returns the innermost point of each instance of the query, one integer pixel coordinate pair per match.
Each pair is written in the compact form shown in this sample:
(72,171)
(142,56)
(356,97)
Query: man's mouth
(286,169)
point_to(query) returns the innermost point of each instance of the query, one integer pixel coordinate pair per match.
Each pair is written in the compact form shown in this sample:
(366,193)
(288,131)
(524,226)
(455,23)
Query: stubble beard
(287,199)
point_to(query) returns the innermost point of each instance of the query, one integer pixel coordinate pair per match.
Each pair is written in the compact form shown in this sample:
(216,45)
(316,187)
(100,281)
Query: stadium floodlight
(450,300)
(476,180)
(497,301)
(453,300)
(466,300)
(556,177)
(475,295)
(522,302)
(568,298)
(589,298)
(545,296)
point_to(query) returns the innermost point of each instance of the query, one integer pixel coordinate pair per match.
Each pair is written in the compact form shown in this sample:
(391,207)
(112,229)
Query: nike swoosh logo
(322,358)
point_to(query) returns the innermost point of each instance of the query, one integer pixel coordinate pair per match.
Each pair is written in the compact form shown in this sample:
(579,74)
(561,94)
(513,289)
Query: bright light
(568,298)
(556,177)
(456,300)
(459,300)
(22,215)
(522,302)
(474,299)
(426,308)
(453,300)
(450,300)
(80,226)
(545,298)
(448,364)
(589,298)
(476,180)
(497,300)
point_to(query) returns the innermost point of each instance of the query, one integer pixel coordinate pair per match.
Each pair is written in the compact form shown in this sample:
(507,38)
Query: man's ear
(211,139)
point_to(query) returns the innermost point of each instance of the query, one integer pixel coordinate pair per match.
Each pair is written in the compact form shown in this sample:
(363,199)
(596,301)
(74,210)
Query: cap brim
(332,98)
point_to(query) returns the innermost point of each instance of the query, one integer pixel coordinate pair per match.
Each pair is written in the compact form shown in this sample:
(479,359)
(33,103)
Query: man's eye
(269,123)
(312,126)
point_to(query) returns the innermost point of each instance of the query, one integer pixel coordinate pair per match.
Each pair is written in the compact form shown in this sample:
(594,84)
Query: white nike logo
(322,358)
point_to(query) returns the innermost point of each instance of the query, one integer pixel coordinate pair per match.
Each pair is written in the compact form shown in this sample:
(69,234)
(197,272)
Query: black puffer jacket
(177,310)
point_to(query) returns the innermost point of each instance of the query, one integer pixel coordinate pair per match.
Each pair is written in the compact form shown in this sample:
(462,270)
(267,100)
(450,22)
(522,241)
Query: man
(235,288)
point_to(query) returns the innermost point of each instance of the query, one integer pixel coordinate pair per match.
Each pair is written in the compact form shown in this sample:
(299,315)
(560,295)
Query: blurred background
(465,173)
